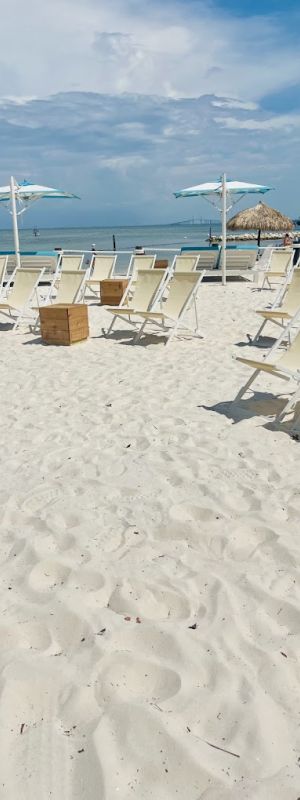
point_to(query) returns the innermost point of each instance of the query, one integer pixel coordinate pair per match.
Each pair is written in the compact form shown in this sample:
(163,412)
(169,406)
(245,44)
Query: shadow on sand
(260,404)
(126,337)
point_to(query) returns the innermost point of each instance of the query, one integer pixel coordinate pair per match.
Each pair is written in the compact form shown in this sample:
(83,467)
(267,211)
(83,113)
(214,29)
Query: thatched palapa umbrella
(260,218)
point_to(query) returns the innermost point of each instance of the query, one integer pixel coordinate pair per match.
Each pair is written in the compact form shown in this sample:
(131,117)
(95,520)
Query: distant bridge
(196,221)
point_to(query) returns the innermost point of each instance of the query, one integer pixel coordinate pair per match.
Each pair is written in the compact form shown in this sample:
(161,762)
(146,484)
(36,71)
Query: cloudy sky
(123,102)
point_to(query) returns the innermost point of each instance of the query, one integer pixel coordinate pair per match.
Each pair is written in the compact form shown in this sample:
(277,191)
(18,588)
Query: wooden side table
(64,324)
(112,290)
(161,263)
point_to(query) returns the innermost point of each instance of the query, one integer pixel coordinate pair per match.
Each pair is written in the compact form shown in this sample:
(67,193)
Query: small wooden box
(64,324)
(112,290)
(161,263)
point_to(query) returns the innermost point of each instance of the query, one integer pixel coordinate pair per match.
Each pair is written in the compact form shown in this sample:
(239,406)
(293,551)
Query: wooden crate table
(64,324)
(112,290)
(161,263)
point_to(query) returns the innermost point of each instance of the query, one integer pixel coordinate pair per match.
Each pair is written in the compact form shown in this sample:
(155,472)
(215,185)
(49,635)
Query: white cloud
(235,103)
(122,164)
(126,155)
(180,50)
(282,122)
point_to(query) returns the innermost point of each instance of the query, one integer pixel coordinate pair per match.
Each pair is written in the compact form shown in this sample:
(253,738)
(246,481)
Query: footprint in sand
(48,576)
(46,545)
(150,602)
(182,512)
(37,500)
(27,635)
(149,641)
(125,678)
(86,580)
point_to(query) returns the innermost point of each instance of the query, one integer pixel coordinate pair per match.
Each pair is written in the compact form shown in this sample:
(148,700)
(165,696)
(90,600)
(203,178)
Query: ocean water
(153,236)
(159,238)
(164,240)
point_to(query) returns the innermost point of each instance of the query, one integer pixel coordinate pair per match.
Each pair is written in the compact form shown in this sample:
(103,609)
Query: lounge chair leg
(140,332)
(288,407)
(257,335)
(196,315)
(173,332)
(111,326)
(245,388)
(35,326)
(16,325)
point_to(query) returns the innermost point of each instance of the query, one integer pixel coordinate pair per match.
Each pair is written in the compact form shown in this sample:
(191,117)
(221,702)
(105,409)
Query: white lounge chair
(102,267)
(240,260)
(184,287)
(278,267)
(186,262)
(24,292)
(208,258)
(263,259)
(70,263)
(148,289)
(3,276)
(47,263)
(282,313)
(70,288)
(140,262)
(287,367)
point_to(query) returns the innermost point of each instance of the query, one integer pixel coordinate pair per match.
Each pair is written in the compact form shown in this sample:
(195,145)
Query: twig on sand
(223,749)
(215,746)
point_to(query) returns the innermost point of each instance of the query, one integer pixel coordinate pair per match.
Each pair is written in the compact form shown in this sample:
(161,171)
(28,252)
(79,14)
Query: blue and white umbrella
(223,194)
(18,197)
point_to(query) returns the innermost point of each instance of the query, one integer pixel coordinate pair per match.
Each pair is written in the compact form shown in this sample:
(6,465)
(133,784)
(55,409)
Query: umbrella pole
(15,220)
(258,238)
(224,212)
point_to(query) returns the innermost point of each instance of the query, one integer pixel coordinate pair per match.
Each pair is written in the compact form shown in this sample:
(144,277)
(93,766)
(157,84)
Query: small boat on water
(36,232)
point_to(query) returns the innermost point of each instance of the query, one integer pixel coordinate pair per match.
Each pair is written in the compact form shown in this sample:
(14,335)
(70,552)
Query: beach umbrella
(19,196)
(223,194)
(260,218)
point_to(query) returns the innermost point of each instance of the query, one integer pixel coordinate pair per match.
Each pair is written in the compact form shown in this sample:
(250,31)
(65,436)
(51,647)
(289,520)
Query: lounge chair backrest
(240,259)
(3,265)
(208,258)
(291,301)
(291,357)
(263,260)
(186,263)
(25,281)
(280,260)
(69,263)
(102,267)
(47,263)
(182,286)
(139,263)
(69,286)
(147,288)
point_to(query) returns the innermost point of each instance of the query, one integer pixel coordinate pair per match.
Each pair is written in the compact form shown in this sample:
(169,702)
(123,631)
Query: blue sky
(257,7)
(125,102)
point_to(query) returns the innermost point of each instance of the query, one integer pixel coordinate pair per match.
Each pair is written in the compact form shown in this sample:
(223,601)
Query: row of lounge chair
(283,358)
(70,283)
(23,300)
(160,299)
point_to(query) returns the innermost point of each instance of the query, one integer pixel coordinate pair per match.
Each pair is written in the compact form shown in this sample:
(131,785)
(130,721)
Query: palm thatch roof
(260,218)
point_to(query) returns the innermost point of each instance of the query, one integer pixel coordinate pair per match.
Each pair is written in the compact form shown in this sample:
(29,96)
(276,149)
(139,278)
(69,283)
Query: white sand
(124,497)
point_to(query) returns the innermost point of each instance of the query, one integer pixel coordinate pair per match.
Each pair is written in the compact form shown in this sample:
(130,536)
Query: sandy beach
(149,548)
